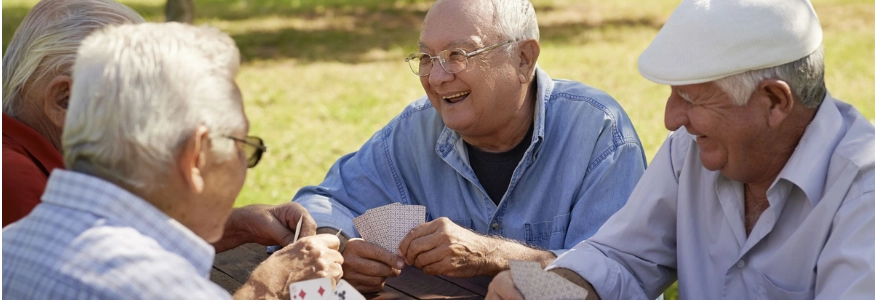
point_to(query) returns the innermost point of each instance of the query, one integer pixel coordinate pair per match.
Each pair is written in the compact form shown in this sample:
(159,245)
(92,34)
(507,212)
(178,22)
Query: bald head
(487,19)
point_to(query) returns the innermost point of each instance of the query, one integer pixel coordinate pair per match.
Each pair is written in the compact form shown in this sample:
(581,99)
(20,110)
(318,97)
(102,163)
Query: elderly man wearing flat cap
(766,189)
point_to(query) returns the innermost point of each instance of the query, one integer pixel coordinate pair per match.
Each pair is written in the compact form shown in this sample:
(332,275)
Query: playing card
(535,283)
(313,289)
(387,225)
(345,291)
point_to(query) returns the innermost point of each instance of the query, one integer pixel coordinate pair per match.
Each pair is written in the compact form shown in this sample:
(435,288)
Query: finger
(502,287)
(326,240)
(422,245)
(415,233)
(364,283)
(440,267)
(372,251)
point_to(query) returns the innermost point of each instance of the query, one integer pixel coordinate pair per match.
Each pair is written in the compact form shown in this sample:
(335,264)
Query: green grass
(319,77)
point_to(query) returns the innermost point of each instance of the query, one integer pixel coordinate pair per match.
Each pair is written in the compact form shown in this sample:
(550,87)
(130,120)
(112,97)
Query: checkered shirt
(90,239)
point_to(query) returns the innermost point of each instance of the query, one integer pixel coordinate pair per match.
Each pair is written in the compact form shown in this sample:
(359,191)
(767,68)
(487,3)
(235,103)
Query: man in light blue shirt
(157,150)
(766,189)
(531,165)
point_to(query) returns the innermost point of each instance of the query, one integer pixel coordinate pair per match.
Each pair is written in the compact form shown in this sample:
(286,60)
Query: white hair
(515,20)
(46,41)
(140,91)
(804,76)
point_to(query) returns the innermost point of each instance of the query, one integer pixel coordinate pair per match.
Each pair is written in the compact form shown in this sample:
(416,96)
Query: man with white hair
(36,89)
(766,189)
(36,85)
(509,163)
(157,148)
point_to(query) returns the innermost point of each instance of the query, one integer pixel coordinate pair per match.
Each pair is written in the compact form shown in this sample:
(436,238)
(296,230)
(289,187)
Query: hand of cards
(320,289)
(535,283)
(387,225)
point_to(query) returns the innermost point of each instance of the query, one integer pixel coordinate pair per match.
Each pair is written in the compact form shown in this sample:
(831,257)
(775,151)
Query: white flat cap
(705,40)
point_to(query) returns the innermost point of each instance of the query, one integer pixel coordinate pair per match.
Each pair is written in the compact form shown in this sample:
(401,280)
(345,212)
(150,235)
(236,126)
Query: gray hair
(515,20)
(804,76)
(140,91)
(46,41)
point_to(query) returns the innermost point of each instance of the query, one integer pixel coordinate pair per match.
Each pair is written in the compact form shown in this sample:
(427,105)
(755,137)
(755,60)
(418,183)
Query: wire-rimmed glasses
(452,60)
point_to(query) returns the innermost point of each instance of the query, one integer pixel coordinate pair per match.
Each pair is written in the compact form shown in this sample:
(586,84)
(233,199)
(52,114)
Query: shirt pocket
(467,223)
(770,291)
(548,234)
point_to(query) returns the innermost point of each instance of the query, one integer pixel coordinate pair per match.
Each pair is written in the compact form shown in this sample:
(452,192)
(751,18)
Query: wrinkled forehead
(457,24)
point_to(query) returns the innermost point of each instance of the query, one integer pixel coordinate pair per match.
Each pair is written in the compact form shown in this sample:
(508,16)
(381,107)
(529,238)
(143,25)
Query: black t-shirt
(494,170)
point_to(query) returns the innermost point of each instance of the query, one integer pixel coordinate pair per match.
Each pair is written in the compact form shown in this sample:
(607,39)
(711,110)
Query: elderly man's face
(481,99)
(728,135)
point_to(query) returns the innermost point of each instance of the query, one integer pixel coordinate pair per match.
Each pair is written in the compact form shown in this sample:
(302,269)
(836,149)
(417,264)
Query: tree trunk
(179,11)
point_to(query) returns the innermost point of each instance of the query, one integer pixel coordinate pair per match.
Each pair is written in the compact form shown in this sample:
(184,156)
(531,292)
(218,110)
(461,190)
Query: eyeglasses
(255,150)
(452,60)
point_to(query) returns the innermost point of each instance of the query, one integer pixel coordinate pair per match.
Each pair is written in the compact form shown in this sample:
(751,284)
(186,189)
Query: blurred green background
(319,77)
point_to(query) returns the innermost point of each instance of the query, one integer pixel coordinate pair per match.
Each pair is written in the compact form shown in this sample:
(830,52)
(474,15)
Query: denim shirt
(583,162)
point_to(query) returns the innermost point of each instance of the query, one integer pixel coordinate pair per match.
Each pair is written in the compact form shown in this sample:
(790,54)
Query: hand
(366,265)
(266,225)
(311,257)
(502,287)
(441,247)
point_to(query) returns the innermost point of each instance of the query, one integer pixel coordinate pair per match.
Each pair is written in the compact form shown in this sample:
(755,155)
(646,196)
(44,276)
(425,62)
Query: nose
(438,75)
(677,111)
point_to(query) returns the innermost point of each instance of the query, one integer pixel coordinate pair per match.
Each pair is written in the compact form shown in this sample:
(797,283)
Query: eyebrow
(454,44)
(685,96)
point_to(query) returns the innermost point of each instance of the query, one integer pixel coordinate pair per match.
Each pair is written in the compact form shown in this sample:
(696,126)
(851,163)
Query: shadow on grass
(367,27)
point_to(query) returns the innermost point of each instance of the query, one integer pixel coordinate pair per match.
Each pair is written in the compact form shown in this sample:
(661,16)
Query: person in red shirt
(36,89)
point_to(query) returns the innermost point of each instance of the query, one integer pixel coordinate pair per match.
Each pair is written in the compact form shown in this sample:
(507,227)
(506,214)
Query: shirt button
(495,226)
(740,264)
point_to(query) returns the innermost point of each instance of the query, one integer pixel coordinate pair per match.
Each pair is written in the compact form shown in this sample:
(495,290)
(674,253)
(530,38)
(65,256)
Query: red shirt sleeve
(23,184)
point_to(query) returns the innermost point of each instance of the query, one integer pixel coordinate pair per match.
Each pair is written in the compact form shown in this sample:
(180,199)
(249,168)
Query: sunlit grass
(319,77)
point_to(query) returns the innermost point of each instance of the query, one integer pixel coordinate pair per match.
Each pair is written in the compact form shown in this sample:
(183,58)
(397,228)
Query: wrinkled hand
(366,265)
(311,257)
(502,287)
(441,247)
(266,225)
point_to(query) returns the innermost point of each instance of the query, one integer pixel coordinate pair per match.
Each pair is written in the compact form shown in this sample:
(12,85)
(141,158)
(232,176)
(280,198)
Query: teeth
(456,95)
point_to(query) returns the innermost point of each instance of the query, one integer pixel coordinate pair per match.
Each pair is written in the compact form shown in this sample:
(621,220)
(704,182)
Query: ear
(193,158)
(779,99)
(57,99)
(529,52)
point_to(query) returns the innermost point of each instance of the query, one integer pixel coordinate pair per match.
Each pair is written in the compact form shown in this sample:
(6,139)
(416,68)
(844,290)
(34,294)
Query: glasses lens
(420,63)
(454,61)
(253,152)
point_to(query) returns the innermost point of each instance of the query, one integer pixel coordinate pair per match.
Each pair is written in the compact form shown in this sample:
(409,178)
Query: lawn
(319,77)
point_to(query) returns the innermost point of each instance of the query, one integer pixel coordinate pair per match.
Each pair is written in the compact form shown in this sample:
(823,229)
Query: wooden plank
(239,262)
(414,282)
(478,285)
(388,293)
(225,281)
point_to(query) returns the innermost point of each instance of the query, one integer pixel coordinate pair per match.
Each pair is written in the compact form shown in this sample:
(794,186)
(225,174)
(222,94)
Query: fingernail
(400,264)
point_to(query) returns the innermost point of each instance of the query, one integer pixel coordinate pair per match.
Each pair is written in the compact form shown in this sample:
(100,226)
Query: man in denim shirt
(527,163)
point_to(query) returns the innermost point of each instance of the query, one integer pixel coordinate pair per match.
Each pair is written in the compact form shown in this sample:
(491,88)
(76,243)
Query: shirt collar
(808,165)
(449,139)
(33,142)
(94,195)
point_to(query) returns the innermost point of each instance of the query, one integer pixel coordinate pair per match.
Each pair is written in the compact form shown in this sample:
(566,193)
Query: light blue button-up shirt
(684,222)
(90,239)
(581,166)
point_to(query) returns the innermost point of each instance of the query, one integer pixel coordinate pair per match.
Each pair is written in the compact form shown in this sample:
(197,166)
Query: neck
(42,125)
(509,136)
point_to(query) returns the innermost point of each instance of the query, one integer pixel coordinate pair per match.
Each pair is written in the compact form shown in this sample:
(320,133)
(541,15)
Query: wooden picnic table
(232,268)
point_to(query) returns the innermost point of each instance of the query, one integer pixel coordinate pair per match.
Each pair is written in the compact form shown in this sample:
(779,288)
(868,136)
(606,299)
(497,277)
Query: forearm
(235,233)
(502,251)
(578,280)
